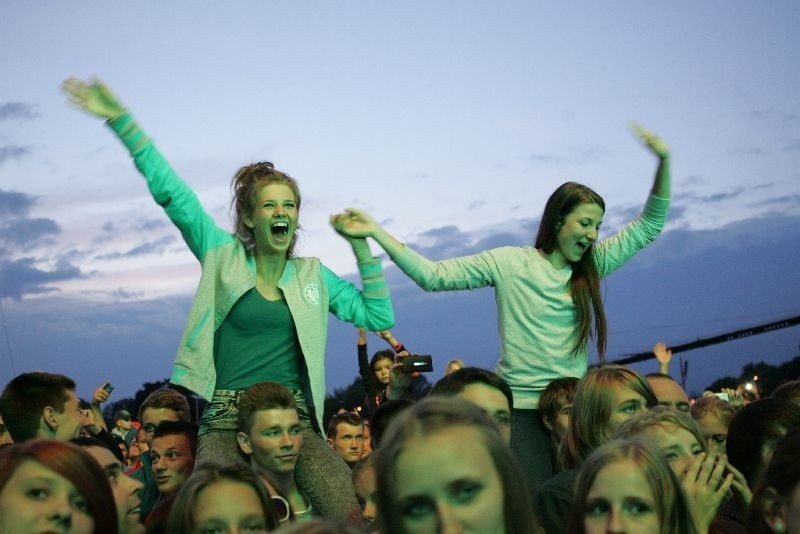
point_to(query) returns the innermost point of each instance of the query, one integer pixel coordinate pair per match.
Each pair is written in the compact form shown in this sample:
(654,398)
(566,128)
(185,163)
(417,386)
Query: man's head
(173,452)
(165,404)
(555,405)
(42,405)
(482,388)
(269,430)
(346,436)
(126,490)
(668,392)
(122,419)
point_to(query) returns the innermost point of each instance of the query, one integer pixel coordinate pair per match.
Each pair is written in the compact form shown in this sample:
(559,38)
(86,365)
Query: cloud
(8,152)
(153,247)
(147,225)
(29,233)
(15,204)
(791,201)
(22,277)
(17,110)
(573,156)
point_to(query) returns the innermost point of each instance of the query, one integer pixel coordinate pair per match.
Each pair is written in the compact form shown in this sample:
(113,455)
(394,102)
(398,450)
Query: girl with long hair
(549,303)
(260,313)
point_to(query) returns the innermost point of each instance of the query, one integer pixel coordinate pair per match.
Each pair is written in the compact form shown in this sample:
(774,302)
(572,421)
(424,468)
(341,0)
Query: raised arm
(661,183)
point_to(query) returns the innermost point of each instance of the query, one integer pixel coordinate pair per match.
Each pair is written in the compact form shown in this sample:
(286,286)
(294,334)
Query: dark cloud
(8,152)
(21,277)
(29,232)
(153,247)
(17,110)
(15,204)
(147,225)
(791,201)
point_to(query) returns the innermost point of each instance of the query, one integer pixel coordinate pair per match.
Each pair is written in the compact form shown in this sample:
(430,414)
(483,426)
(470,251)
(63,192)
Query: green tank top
(258,342)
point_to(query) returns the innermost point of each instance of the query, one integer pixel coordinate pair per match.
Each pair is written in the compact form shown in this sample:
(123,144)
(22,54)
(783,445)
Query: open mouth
(583,246)
(280,230)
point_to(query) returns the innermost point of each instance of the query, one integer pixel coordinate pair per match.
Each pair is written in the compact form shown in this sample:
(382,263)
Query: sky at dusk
(451,122)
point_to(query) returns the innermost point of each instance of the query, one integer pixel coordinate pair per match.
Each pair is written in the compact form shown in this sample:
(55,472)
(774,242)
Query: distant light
(748,386)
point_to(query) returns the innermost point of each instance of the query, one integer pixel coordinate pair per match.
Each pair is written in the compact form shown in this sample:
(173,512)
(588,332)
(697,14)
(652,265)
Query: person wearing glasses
(260,313)
(271,435)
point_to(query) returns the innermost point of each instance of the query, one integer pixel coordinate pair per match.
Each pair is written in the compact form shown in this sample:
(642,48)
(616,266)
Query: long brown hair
(591,411)
(244,185)
(585,280)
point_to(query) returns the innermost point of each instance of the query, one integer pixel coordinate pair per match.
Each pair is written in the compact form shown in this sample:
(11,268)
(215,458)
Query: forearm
(388,242)
(361,249)
(662,183)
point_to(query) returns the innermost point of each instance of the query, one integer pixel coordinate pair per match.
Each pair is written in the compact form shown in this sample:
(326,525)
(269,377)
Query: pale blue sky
(428,114)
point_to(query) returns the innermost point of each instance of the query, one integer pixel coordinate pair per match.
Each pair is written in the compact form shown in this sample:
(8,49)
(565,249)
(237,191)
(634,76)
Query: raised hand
(354,223)
(651,140)
(93,97)
(663,355)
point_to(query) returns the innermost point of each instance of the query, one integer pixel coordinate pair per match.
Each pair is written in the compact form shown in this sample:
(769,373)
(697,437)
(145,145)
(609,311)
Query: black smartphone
(109,387)
(418,364)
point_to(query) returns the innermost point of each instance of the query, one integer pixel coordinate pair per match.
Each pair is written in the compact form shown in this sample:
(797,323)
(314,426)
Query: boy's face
(559,425)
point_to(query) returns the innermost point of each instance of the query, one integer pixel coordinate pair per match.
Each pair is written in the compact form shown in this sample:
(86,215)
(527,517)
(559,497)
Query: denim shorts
(222,413)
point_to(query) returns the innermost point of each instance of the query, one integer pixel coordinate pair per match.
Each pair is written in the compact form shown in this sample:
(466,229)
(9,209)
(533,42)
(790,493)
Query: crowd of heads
(432,465)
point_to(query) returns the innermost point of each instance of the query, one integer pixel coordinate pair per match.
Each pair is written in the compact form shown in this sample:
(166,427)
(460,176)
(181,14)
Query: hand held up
(93,97)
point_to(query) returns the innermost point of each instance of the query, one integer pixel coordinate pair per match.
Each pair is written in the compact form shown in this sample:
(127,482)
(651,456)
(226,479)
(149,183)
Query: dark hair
(184,428)
(788,390)
(435,414)
(263,396)
(778,480)
(755,426)
(385,414)
(73,463)
(558,392)
(170,399)
(454,383)
(26,396)
(244,185)
(585,280)
(386,354)
(674,513)
(182,514)
(351,418)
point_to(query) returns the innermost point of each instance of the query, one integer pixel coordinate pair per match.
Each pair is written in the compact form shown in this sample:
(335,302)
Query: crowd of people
(544,443)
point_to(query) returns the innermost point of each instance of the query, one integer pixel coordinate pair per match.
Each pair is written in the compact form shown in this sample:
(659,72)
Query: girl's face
(576,233)
(625,404)
(677,445)
(621,500)
(715,430)
(274,218)
(37,499)
(228,506)
(447,482)
(381,369)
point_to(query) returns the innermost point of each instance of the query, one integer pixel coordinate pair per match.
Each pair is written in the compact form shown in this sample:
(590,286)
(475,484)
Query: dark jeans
(321,475)
(530,441)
